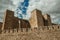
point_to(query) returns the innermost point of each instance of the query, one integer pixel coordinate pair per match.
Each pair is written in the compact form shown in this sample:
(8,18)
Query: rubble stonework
(39,27)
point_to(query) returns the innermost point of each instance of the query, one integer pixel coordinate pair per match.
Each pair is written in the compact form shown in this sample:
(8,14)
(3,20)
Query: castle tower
(8,20)
(47,20)
(11,22)
(36,19)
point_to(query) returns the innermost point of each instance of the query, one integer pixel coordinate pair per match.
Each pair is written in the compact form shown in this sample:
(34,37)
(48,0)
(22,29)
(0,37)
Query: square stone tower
(11,22)
(36,19)
(8,20)
(47,20)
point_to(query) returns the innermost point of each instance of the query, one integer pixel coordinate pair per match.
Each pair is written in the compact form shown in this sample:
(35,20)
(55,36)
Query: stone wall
(47,20)
(50,35)
(20,29)
(12,22)
(8,19)
(39,15)
(47,33)
(24,23)
(36,18)
(41,28)
(15,22)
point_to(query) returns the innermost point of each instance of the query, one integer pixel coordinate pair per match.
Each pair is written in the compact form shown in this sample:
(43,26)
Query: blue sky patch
(22,6)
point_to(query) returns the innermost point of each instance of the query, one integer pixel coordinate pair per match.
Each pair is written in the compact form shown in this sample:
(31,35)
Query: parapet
(29,30)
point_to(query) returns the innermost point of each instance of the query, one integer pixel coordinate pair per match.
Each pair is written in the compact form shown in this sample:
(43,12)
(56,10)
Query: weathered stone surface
(24,23)
(47,20)
(13,27)
(15,22)
(8,19)
(36,19)
(32,35)
(12,22)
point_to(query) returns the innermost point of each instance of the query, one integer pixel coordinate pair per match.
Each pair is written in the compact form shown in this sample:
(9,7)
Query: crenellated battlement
(37,23)
(38,27)
(29,30)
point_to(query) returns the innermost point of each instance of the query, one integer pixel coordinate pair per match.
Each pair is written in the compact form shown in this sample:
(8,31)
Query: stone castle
(39,27)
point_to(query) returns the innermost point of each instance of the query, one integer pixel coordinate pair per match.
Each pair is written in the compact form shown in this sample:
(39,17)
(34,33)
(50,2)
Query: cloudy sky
(51,7)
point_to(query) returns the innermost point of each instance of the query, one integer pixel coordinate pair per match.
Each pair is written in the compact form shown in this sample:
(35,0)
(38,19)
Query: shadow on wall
(30,30)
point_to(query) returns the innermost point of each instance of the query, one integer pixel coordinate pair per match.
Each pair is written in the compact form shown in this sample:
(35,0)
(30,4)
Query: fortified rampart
(28,30)
(46,33)
(39,27)
(12,22)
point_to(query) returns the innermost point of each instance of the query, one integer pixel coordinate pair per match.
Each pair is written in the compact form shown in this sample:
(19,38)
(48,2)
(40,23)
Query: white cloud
(51,7)
(15,2)
(44,5)
(5,4)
